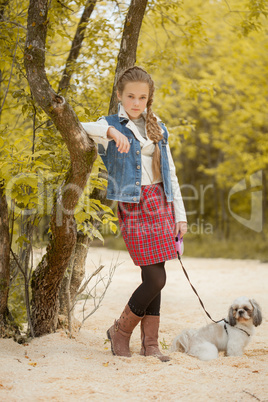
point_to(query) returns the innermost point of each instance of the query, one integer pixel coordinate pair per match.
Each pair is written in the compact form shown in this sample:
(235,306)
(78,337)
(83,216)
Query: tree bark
(128,48)
(76,46)
(5,258)
(49,273)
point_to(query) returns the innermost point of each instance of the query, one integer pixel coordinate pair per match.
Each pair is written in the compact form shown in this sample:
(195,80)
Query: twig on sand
(254,396)
(92,294)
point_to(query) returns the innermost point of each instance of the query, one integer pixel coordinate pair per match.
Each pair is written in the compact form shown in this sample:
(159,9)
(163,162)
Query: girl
(141,177)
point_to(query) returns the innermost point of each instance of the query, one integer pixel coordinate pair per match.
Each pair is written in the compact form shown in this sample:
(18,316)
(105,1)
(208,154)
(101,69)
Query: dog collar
(243,331)
(240,329)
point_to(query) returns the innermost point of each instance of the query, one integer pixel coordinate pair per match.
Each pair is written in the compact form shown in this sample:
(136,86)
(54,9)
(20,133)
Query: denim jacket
(127,172)
(124,169)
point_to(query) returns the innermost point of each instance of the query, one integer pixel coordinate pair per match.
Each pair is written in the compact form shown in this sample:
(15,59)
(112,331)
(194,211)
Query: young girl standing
(142,178)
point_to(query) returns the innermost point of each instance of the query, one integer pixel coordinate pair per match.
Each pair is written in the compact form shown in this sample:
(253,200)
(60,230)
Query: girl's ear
(118,95)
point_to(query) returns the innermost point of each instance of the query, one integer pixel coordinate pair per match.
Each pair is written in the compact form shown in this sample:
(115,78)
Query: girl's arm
(97,130)
(121,140)
(101,133)
(180,214)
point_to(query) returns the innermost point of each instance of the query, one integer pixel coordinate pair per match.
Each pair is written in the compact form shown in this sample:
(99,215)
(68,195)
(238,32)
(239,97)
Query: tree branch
(127,54)
(76,46)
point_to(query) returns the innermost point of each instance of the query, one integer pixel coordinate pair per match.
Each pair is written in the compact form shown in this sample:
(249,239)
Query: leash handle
(200,301)
(179,244)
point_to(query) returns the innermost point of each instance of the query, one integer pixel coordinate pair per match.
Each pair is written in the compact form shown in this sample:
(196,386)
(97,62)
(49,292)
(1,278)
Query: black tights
(147,297)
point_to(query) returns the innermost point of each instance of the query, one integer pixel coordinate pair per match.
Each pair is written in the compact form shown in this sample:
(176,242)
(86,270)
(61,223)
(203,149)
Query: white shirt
(98,132)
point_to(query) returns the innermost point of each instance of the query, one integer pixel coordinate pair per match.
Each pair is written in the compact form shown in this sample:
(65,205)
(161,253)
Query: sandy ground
(57,368)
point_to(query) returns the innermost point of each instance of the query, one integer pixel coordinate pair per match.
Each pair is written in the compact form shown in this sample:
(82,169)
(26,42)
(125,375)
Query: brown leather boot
(149,337)
(119,333)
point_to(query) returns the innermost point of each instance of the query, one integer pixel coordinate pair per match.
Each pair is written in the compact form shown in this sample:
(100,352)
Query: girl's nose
(136,102)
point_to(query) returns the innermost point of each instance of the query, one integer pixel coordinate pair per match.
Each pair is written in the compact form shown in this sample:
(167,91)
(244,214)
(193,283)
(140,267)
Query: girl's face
(134,98)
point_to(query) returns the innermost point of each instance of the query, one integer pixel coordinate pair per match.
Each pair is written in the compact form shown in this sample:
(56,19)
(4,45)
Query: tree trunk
(49,273)
(5,258)
(127,54)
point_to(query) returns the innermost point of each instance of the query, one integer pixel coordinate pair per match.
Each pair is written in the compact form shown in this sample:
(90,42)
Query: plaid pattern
(147,227)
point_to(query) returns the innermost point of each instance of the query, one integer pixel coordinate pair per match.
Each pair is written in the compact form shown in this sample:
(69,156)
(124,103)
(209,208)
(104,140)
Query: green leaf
(22,239)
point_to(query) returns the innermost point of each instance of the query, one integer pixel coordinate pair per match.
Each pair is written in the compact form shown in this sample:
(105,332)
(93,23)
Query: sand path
(57,368)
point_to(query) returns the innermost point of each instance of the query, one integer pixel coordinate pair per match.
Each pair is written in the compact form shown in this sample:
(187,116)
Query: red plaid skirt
(147,227)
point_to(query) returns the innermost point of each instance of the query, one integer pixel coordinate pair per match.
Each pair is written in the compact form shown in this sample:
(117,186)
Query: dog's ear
(257,315)
(231,318)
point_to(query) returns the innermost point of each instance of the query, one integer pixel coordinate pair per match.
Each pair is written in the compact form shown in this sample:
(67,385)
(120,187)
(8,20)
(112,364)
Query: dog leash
(179,249)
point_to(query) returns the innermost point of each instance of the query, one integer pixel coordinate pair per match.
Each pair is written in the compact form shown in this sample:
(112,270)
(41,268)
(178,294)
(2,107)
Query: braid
(138,74)
(155,134)
(153,129)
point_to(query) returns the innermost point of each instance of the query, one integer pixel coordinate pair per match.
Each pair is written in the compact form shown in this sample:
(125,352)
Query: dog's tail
(182,342)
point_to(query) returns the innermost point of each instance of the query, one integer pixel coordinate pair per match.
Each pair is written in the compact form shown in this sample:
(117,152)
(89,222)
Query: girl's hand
(180,227)
(121,141)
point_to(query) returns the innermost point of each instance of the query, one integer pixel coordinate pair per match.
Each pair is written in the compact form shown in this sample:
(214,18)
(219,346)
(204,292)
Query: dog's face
(245,311)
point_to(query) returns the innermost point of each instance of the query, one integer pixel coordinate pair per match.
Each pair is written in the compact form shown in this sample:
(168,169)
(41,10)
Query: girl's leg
(154,306)
(154,279)
(145,301)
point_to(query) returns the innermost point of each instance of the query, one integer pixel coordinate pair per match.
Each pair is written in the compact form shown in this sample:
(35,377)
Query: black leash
(202,304)
(200,301)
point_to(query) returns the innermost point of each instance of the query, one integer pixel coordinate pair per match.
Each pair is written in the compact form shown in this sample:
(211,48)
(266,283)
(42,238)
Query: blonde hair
(154,132)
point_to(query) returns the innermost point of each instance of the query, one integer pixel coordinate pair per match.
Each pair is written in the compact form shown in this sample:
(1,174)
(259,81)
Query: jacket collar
(122,114)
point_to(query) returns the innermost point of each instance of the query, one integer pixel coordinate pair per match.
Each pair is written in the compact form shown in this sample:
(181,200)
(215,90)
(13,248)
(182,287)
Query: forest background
(209,61)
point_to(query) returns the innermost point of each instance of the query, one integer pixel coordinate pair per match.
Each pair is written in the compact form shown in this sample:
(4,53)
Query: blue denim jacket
(124,169)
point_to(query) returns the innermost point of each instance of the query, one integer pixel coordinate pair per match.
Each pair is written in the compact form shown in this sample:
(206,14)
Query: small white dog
(231,337)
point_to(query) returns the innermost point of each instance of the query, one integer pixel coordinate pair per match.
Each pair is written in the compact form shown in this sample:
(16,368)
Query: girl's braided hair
(154,132)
